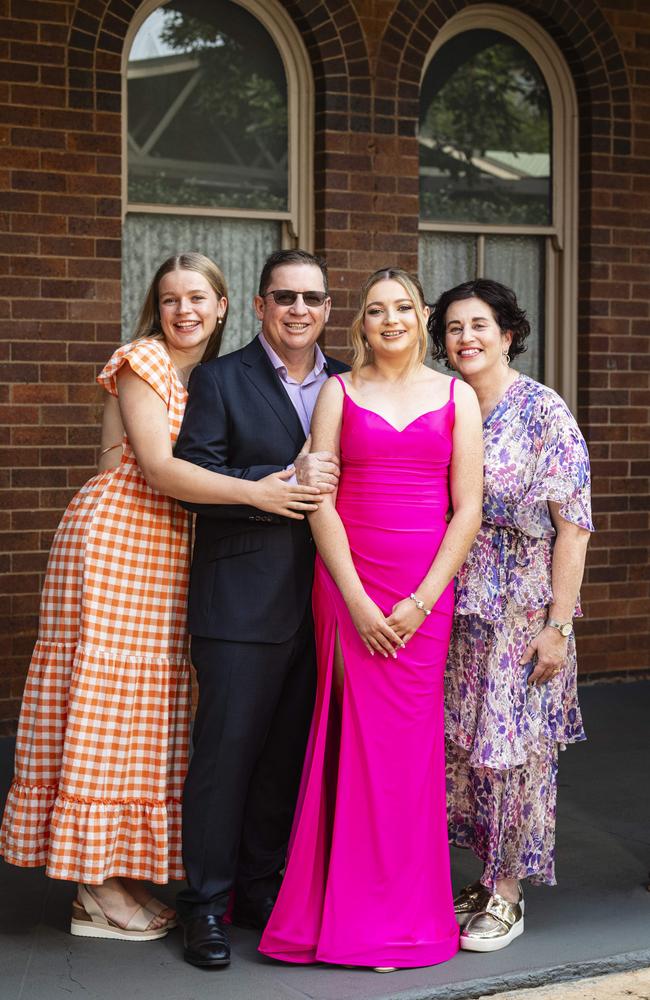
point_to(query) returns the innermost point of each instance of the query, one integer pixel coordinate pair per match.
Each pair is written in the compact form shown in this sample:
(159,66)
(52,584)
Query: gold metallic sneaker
(499,923)
(470,900)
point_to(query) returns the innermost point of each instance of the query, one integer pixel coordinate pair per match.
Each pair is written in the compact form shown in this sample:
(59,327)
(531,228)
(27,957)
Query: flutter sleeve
(148,359)
(561,473)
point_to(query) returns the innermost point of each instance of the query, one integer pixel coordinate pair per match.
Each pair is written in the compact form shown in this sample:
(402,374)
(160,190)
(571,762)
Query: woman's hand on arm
(567,568)
(146,421)
(331,539)
(466,489)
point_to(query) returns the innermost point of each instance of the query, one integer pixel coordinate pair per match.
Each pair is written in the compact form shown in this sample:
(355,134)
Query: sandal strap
(90,904)
(138,922)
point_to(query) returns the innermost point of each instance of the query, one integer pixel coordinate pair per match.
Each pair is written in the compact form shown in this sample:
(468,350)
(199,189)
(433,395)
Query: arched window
(498,176)
(217,145)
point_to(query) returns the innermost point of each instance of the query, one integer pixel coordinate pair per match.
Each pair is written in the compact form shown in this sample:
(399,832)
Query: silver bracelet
(419,604)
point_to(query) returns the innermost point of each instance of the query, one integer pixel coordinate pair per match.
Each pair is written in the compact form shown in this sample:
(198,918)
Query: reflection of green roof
(526,164)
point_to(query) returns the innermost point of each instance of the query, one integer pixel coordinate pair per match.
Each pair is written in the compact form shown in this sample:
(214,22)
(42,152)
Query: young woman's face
(474,341)
(390,322)
(189,309)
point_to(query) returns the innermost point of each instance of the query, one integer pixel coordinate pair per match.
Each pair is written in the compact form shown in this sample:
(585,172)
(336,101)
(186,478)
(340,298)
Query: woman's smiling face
(474,340)
(189,309)
(390,321)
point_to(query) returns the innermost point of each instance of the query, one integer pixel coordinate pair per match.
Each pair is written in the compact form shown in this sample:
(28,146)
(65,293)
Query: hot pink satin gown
(367,880)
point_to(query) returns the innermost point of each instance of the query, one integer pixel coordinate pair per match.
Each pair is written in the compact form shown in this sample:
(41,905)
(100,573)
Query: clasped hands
(381,634)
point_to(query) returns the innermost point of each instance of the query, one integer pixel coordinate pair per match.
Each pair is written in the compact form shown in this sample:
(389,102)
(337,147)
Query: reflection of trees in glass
(483,94)
(208,114)
(232,92)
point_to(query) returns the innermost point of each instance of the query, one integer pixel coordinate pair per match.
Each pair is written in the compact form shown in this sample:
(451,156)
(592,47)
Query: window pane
(519,263)
(445,261)
(238,246)
(485,134)
(207,109)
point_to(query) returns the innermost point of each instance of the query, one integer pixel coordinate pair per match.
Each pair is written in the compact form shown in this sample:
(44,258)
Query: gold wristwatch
(564,628)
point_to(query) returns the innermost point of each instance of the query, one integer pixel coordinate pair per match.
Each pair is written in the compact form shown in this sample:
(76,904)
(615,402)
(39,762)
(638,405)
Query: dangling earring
(506,358)
(366,345)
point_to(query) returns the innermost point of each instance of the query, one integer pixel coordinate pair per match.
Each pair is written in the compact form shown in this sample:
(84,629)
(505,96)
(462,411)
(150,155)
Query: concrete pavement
(597,920)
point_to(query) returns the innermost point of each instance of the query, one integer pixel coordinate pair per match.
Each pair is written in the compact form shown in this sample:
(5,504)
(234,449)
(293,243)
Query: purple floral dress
(502,734)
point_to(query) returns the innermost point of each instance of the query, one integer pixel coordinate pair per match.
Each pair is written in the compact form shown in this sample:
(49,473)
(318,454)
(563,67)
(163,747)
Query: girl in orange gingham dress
(102,744)
(101,752)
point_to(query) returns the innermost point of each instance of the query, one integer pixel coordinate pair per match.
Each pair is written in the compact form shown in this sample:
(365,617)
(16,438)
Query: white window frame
(561,298)
(298,220)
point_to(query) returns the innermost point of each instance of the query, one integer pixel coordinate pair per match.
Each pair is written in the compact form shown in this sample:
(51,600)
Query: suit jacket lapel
(263,376)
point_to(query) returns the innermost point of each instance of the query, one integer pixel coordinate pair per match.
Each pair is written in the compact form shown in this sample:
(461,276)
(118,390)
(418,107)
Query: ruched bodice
(408,466)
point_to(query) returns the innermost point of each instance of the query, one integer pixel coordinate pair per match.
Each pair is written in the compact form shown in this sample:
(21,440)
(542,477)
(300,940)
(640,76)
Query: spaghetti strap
(339,379)
(451,389)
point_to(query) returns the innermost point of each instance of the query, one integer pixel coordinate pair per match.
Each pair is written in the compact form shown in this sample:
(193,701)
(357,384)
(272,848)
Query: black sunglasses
(287,297)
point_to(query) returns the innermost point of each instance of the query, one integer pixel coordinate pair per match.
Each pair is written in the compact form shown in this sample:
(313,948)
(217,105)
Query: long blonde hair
(411,285)
(149,325)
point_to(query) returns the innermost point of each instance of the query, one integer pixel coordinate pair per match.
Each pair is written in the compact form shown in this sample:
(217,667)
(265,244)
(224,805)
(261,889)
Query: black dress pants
(255,706)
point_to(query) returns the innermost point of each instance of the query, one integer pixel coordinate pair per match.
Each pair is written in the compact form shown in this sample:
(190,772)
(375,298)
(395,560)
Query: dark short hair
(501,300)
(281,257)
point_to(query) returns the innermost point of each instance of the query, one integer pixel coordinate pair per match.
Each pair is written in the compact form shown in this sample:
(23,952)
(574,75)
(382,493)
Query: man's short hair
(281,257)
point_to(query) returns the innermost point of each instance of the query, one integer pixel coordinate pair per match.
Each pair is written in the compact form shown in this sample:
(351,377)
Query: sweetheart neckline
(398,430)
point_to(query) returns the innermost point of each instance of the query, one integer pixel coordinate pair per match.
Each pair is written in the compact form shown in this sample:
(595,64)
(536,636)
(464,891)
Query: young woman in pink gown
(367,880)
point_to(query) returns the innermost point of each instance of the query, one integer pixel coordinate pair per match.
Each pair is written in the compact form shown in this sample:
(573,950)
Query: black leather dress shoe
(252,913)
(206,942)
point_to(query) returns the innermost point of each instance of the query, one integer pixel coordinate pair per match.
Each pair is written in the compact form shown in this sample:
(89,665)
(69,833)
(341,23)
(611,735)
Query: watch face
(566,630)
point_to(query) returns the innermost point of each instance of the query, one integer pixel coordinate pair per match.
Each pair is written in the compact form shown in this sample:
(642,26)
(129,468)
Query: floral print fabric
(534,452)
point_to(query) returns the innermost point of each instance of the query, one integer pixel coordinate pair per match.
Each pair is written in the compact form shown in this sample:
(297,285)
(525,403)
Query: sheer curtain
(447,259)
(238,246)
(518,262)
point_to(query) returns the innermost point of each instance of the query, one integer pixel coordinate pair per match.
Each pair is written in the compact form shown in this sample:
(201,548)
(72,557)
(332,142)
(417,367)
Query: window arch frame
(298,219)
(561,287)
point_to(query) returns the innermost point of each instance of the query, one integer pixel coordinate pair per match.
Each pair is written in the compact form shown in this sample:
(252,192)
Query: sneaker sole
(493,944)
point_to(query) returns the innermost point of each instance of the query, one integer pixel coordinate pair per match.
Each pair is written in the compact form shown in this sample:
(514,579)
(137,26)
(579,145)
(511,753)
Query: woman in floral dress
(511,693)
(102,744)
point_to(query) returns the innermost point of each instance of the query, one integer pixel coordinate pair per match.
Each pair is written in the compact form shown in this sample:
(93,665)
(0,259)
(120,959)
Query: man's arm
(203,441)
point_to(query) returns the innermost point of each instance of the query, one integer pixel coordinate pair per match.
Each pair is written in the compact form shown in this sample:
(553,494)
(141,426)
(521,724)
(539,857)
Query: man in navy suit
(248,415)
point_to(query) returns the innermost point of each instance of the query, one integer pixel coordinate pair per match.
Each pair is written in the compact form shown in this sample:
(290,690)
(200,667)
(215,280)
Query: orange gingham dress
(102,745)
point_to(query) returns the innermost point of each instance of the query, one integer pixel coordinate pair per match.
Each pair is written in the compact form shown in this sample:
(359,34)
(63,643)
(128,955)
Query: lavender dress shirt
(303,395)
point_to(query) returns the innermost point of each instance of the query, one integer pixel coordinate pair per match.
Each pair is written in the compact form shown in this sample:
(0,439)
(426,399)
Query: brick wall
(60,270)
(60,258)
(614,360)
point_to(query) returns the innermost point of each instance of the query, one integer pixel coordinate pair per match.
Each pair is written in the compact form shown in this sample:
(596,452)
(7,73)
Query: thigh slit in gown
(367,880)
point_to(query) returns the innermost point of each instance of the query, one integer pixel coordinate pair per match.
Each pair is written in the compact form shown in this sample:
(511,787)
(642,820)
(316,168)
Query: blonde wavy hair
(149,324)
(411,285)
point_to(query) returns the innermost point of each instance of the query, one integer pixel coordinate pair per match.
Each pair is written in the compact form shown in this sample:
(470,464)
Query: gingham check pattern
(102,743)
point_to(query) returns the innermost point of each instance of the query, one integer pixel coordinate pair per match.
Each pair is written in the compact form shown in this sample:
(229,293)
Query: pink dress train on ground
(367,880)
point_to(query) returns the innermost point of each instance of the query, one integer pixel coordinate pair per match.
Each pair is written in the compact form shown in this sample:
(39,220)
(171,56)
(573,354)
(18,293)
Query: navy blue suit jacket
(251,571)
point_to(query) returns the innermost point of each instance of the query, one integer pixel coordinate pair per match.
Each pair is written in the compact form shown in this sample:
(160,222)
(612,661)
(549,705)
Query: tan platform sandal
(88,920)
